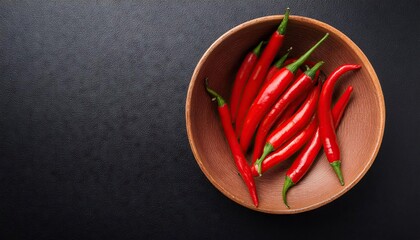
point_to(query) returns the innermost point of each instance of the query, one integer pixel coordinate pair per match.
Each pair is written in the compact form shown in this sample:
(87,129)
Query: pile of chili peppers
(285,110)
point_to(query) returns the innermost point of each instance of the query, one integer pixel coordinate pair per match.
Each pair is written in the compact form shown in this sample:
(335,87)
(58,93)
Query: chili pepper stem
(257,49)
(293,67)
(268,148)
(283,25)
(220,100)
(336,165)
(281,61)
(288,183)
(312,71)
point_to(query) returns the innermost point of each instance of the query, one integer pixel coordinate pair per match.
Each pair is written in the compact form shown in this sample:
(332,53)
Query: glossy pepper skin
(287,149)
(306,157)
(291,109)
(302,84)
(259,72)
(268,95)
(326,125)
(238,156)
(241,78)
(294,106)
(290,127)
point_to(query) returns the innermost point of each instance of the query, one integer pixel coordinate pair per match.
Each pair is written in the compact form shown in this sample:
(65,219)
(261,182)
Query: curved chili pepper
(287,149)
(286,115)
(308,154)
(300,86)
(238,156)
(259,72)
(289,128)
(268,96)
(290,110)
(277,66)
(326,126)
(241,78)
(296,143)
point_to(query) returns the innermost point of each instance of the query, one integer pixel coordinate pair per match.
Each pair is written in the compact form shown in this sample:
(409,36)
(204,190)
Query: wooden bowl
(360,132)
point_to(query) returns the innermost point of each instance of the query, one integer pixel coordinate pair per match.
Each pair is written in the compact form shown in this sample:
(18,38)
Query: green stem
(293,67)
(311,72)
(288,183)
(220,100)
(257,50)
(336,165)
(283,25)
(280,62)
(268,148)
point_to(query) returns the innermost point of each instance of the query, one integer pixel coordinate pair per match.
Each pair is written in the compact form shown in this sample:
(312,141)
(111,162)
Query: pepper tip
(287,184)
(258,165)
(336,165)
(283,25)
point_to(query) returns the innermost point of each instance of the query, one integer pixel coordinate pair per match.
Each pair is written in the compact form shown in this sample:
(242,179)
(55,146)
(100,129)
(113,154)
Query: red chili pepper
(287,149)
(268,96)
(238,156)
(326,126)
(302,84)
(259,72)
(296,143)
(277,66)
(290,110)
(308,154)
(241,78)
(286,115)
(289,128)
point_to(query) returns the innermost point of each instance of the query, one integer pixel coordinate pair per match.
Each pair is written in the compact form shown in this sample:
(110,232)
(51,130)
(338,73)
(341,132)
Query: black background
(92,122)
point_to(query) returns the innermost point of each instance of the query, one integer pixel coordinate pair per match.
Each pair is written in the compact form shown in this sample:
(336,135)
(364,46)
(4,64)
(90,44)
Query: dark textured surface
(92,128)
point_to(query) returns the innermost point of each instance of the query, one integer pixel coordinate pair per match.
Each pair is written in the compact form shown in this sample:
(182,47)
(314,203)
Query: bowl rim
(328,28)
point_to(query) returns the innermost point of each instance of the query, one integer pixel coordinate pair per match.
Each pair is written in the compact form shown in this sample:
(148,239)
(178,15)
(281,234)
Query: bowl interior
(360,132)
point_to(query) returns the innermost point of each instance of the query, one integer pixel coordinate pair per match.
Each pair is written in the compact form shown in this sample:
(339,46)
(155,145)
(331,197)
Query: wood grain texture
(360,133)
